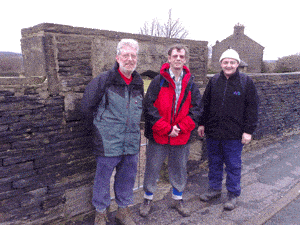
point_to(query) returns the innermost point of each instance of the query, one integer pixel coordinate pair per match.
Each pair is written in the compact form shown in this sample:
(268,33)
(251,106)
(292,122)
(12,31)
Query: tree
(171,29)
(288,64)
(153,29)
(11,62)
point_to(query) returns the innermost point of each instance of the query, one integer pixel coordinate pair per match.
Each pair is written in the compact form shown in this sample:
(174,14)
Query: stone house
(251,53)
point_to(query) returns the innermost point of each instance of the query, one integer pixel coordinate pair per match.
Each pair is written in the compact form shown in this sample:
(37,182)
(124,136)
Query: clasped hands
(175,131)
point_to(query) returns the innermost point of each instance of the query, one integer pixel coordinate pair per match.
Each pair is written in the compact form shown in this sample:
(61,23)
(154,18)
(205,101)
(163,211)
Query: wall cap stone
(265,74)
(66,29)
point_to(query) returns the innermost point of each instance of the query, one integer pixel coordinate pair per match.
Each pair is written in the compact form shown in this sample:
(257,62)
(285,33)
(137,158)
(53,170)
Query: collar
(127,80)
(236,74)
(173,75)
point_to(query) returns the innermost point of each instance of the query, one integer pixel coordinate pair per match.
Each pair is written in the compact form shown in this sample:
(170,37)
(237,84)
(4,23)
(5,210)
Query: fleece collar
(236,74)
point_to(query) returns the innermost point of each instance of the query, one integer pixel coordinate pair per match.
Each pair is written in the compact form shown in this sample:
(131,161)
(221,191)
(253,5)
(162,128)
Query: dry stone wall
(279,96)
(46,161)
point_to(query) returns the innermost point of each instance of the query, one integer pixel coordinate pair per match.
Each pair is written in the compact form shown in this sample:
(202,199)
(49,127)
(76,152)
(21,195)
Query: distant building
(251,53)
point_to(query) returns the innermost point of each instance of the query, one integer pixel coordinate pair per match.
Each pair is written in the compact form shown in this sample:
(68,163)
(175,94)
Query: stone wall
(74,52)
(279,96)
(46,162)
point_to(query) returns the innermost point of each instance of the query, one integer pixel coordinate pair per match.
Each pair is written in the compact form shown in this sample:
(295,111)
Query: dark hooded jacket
(159,108)
(115,109)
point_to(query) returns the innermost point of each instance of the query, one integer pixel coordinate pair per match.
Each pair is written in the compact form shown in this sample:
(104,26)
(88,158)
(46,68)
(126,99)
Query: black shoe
(211,194)
(181,207)
(145,207)
(230,204)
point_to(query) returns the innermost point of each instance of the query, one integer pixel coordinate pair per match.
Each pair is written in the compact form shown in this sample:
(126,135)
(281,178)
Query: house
(251,53)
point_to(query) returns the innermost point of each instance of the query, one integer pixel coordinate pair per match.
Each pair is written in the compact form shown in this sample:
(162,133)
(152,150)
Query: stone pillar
(40,57)
(33,55)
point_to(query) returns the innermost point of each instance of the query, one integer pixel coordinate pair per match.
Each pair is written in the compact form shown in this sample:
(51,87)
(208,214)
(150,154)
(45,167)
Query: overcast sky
(273,24)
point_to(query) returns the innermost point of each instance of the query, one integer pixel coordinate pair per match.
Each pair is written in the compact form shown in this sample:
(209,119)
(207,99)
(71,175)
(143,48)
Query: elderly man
(114,101)
(171,110)
(229,119)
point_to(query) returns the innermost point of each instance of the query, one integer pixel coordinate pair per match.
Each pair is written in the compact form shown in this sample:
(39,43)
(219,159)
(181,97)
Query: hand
(201,131)
(175,131)
(246,138)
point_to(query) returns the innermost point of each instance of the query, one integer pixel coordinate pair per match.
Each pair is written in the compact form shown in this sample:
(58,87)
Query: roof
(245,36)
(243,64)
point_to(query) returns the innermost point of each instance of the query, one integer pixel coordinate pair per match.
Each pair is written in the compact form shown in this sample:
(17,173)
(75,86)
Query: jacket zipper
(224,93)
(172,112)
(127,89)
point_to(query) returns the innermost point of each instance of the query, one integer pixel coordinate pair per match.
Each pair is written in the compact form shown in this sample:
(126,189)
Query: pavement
(270,187)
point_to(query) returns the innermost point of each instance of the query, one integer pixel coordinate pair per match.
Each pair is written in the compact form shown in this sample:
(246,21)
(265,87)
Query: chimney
(239,29)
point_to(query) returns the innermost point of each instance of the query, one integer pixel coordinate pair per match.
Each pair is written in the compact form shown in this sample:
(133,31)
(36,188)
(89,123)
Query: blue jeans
(228,152)
(126,169)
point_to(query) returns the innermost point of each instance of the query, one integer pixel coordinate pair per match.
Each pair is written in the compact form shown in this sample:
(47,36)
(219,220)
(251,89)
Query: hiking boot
(145,207)
(124,217)
(101,218)
(181,207)
(211,194)
(230,204)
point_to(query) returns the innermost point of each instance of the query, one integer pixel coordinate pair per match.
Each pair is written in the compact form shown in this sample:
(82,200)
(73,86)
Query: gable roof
(237,36)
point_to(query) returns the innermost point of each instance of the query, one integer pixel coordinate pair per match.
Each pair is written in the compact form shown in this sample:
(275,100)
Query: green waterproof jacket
(115,109)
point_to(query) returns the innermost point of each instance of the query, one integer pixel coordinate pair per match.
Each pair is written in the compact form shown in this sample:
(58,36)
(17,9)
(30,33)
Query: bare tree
(171,29)
(153,29)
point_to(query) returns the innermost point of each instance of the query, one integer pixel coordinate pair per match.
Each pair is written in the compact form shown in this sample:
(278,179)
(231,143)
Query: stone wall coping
(265,74)
(66,29)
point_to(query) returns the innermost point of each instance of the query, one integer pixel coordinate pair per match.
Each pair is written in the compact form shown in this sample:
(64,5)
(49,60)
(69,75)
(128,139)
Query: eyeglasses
(229,62)
(127,56)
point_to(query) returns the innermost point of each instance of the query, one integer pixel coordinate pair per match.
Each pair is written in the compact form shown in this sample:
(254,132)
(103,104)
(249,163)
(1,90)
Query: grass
(146,84)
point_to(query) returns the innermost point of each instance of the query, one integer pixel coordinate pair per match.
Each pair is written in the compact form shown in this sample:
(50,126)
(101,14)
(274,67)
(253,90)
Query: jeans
(126,169)
(228,152)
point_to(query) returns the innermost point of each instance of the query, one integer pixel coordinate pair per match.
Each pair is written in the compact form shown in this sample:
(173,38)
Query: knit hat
(230,53)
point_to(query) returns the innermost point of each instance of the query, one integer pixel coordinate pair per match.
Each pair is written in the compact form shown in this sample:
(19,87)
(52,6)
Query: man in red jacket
(171,112)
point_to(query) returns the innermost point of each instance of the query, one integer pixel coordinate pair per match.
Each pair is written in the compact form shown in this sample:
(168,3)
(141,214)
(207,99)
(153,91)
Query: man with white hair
(230,114)
(113,102)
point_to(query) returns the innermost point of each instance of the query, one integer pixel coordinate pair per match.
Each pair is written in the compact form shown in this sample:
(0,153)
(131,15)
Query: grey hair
(127,42)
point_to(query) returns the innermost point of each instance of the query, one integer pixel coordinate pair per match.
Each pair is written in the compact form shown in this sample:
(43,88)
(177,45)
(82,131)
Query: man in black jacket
(230,105)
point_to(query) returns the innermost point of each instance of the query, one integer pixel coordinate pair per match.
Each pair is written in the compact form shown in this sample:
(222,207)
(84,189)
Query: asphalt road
(289,215)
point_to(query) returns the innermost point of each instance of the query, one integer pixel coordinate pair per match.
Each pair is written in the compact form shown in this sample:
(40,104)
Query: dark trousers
(226,152)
